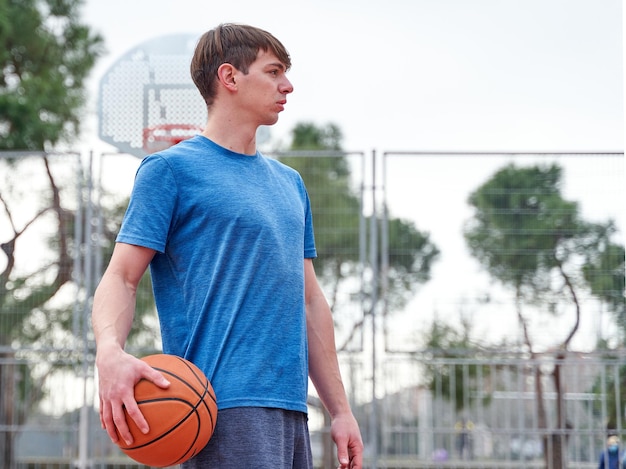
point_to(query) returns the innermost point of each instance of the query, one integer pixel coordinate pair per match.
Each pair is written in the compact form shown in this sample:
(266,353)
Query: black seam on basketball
(205,385)
(166,398)
(170,430)
(184,456)
(201,396)
(206,388)
(193,407)
(199,378)
(191,445)
(186,363)
(205,391)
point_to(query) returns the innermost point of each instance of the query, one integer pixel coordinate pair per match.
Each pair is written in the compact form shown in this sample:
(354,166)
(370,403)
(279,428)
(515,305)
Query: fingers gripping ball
(181,418)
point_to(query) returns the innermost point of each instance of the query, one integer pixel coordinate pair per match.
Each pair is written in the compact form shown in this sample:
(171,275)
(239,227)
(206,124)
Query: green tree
(25,290)
(337,215)
(46,54)
(453,369)
(528,237)
(45,57)
(604,272)
(610,389)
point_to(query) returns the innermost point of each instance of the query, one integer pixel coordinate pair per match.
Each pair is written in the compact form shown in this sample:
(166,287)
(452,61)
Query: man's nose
(286,87)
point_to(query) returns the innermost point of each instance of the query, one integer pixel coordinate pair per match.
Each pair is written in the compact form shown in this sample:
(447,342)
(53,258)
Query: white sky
(421,75)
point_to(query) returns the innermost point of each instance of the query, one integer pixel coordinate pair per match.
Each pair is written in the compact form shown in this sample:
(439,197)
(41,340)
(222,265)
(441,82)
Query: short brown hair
(235,44)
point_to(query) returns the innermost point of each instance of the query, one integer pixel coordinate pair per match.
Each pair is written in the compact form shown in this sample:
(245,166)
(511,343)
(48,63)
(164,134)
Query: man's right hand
(118,373)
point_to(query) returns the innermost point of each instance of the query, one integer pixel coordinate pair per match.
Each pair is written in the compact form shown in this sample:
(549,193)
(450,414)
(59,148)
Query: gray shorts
(256,438)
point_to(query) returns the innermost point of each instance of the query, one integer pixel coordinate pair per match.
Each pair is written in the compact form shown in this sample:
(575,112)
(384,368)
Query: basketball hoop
(160,137)
(147,87)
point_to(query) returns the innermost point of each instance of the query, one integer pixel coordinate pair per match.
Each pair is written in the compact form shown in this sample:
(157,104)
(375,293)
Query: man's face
(262,93)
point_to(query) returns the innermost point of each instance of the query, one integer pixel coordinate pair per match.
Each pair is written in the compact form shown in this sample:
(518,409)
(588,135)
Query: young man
(228,236)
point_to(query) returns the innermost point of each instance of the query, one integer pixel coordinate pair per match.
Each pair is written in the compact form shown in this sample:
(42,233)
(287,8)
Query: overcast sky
(422,74)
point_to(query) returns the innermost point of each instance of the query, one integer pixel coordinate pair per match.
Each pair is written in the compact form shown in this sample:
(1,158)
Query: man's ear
(226,76)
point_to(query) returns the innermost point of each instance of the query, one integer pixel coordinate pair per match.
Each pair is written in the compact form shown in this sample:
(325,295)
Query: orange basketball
(181,418)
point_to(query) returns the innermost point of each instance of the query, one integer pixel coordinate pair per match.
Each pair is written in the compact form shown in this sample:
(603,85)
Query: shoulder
(283,169)
(277,163)
(188,156)
(182,150)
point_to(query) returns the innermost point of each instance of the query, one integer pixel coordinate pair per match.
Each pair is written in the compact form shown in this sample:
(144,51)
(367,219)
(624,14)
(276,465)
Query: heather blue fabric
(256,438)
(231,233)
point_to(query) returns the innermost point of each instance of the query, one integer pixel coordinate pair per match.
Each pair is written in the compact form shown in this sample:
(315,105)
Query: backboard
(150,87)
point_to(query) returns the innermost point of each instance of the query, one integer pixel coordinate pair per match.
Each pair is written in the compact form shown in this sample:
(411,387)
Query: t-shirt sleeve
(149,215)
(310,251)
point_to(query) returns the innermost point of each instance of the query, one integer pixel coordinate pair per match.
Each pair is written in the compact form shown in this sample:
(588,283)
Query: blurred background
(465,165)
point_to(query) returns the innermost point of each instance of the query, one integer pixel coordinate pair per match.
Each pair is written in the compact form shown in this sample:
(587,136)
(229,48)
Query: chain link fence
(396,269)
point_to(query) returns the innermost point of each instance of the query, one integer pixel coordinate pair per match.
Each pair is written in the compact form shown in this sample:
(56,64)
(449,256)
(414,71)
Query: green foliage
(524,231)
(604,272)
(454,370)
(608,391)
(520,218)
(338,219)
(334,204)
(46,55)
(411,257)
(308,136)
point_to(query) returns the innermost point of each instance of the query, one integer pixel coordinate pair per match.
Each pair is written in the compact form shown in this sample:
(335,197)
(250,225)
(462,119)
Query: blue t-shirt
(231,233)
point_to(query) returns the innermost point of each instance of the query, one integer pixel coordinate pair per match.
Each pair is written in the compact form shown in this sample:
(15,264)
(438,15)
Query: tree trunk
(559,438)
(7,407)
(542,422)
(555,447)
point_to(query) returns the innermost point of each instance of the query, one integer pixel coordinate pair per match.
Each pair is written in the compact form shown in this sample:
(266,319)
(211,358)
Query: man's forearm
(113,312)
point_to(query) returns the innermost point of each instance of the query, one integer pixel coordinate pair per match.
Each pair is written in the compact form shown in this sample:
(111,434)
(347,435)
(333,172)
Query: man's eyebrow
(276,64)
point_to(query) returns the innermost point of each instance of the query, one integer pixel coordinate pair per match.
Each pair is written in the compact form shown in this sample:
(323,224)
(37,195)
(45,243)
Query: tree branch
(572,291)
(522,321)
(8,247)
(64,274)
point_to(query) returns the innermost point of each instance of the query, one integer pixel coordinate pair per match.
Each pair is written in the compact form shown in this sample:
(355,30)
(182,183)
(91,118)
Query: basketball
(181,418)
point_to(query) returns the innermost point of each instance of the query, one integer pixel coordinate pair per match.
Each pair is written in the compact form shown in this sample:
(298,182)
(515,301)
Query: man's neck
(230,133)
